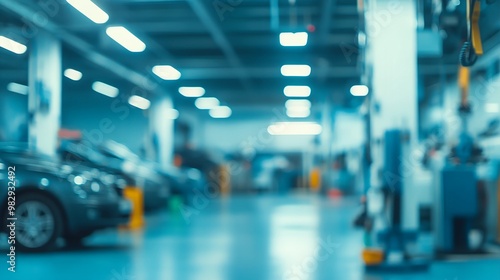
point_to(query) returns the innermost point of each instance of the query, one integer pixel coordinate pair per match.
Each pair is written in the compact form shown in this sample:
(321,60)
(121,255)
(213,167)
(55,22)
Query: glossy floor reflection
(254,238)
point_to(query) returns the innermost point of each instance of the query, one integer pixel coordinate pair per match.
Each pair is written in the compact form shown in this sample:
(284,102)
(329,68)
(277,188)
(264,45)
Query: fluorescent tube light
(192,91)
(206,103)
(166,72)
(125,38)
(290,39)
(298,112)
(298,103)
(73,74)
(294,128)
(12,45)
(90,10)
(18,88)
(297,91)
(359,90)
(220,112)
(296,70)
(105,89)
(139,102)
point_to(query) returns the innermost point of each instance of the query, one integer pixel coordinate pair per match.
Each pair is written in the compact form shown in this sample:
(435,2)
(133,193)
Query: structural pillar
(161,128)
(391,27)
(44,100)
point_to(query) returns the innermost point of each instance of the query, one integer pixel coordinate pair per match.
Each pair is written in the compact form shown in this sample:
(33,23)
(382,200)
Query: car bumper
(94,214)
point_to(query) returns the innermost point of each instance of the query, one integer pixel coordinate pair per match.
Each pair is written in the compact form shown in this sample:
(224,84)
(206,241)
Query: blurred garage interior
(250,139)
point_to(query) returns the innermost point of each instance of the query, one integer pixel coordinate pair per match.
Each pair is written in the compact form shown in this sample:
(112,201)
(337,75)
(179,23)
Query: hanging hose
(468,56)
(473,46)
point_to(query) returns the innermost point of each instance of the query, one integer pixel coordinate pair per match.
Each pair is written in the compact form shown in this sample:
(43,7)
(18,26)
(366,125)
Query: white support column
(392,35)
(162,130)
(44,101)
(392,45)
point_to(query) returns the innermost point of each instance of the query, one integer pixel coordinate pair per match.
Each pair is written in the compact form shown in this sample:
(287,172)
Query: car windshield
(118,151)
(88,154)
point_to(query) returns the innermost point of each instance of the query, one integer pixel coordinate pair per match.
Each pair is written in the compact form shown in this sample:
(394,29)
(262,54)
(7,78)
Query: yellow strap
(463,77)
(476,34)
(463,83)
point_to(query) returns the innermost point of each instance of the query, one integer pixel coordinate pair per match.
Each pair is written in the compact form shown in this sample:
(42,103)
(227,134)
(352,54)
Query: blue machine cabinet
(460,205)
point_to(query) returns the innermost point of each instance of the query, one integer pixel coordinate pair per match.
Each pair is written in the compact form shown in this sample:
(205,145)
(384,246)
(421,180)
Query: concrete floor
(242,238)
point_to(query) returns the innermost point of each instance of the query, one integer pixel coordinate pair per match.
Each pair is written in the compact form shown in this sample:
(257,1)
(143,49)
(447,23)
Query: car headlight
(107,178)
(79,180)
(84,187)
(93,187)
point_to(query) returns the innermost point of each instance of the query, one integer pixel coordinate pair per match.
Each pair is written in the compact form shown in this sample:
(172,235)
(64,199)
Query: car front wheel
(38,224)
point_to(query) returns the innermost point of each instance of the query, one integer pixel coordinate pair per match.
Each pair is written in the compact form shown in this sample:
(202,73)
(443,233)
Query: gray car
(46,200)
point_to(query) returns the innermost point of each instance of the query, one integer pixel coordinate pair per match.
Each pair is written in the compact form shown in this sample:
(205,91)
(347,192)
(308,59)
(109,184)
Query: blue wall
(101,118)
(13,117)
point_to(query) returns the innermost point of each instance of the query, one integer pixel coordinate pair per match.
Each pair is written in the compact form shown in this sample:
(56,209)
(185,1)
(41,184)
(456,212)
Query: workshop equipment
(458,198)
(459,207)
(393,239)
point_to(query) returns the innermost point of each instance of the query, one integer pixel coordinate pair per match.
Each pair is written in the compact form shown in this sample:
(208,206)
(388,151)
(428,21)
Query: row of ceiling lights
(296,108)
(166,72)
(133,44)
(299,109)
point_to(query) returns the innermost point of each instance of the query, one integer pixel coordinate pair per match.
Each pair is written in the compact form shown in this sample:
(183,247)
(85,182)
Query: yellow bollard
(315,179)
(224,180)
(372,256)
(135,195)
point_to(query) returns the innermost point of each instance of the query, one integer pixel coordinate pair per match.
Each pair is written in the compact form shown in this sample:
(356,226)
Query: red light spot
(311,28)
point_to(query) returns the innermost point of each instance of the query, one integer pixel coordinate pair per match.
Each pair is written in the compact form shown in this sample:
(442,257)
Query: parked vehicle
(156,188)
(54,199)
(78,154)
(180,181)
(119,161)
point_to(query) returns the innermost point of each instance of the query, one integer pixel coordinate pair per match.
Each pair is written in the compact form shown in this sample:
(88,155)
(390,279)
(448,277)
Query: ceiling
(231,49)
(233,52)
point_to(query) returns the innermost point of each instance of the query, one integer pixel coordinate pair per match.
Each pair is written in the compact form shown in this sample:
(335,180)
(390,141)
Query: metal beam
(247,13)
(220,38)
(274,10)
(326,19)
(229,73)
(264,41)
(189,26)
